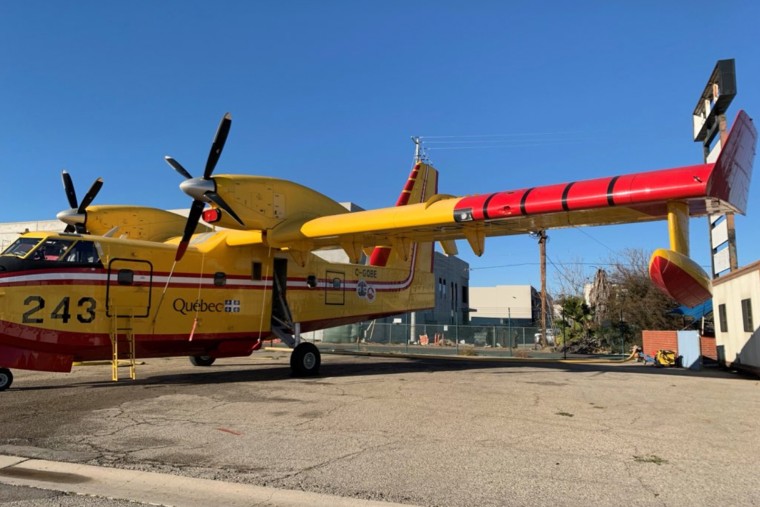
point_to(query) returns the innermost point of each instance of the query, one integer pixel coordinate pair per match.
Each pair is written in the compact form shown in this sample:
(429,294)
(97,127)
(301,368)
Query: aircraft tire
(6,378)
(202,360)
(305,360)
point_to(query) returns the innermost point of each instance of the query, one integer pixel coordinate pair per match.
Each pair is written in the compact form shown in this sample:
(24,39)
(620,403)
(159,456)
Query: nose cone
(72,217)
(197,188)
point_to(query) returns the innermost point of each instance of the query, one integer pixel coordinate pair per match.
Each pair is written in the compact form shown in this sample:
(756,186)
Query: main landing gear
(305,360)
(6,378)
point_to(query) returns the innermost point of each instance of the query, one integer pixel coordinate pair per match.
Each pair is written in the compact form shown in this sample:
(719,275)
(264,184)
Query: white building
(736,301)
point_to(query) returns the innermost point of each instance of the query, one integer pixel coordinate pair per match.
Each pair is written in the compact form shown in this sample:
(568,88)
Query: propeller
(76,217)
(203,190)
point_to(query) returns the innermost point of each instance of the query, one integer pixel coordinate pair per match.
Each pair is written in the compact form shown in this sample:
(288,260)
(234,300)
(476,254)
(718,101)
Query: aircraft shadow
(223,373)
(231,373)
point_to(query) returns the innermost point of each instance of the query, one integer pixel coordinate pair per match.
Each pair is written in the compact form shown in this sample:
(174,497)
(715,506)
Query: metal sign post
(711,129)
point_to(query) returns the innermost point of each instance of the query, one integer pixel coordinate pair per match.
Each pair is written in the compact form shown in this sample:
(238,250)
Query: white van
(549,337)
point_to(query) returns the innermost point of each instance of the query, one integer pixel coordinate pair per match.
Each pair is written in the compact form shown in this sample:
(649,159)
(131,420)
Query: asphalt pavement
(377,430)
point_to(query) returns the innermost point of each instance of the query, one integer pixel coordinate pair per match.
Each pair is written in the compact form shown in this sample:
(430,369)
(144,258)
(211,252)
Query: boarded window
(747,315)
(723,318)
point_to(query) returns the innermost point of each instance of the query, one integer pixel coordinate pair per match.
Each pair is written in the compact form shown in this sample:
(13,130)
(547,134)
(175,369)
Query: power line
(489,141)
(520,144)
(514,134)
(580,229)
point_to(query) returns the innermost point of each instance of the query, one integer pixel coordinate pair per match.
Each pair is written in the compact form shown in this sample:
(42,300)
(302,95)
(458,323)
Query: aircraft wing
(722,186)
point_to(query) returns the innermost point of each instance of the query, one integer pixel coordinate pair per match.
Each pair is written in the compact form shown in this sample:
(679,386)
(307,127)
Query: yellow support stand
(126,328)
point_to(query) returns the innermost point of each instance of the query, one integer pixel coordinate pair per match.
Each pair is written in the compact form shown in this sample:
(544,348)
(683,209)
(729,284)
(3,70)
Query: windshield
(53,249)
(21,246)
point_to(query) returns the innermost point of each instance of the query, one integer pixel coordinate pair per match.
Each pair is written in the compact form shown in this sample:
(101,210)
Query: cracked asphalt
(424,432)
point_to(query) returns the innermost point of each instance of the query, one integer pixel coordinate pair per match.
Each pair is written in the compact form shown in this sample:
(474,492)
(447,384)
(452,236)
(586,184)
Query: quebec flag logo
(232,306)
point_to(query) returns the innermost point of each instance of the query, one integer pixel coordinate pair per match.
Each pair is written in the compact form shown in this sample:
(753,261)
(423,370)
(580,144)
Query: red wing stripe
(726,181)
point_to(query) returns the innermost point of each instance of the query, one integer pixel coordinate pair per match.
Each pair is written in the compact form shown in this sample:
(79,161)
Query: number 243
(85,310)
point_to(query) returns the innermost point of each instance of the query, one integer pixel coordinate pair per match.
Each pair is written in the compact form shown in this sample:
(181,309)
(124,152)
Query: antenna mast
(419,151)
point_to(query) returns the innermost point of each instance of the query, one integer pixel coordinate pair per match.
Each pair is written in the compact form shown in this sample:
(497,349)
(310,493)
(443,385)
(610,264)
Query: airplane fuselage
(219,301)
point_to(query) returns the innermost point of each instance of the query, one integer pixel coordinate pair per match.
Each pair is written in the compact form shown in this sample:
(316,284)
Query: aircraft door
(128,290)
(280,310)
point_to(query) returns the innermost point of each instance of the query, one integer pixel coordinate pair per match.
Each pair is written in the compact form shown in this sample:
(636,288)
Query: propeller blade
(216,147)
(217,199)
(178,167)
(70,228)
(90,195)
(68,186)
(192,222)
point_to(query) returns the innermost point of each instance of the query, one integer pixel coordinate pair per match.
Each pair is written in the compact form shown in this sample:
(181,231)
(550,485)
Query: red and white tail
(421,185)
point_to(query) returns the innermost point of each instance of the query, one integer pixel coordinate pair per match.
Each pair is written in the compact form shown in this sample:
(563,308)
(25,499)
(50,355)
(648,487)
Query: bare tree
(570,279)
(619,303)
(634,300)
(599,296)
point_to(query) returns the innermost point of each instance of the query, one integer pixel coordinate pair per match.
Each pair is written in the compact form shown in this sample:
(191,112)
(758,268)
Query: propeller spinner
(76,217)
(203,190)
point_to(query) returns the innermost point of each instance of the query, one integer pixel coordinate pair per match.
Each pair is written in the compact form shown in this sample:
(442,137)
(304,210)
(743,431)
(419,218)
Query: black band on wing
(610,189)
(485,206)
(524,199)
(564,196)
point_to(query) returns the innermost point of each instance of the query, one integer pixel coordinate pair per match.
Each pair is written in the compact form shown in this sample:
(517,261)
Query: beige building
(736,309)
(519,304)
(11,230)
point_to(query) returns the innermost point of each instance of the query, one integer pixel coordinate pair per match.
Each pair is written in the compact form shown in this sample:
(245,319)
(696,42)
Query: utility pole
(542,253)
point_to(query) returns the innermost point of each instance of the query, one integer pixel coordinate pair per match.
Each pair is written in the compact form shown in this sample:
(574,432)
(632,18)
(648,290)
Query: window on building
(747,315)
(723,319)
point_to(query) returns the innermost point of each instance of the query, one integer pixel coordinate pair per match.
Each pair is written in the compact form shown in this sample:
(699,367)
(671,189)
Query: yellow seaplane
(122,282)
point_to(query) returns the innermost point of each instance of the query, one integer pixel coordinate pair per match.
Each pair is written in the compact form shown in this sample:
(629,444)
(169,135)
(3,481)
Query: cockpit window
(82,251)
(21,246)
(55,250)
(51,249)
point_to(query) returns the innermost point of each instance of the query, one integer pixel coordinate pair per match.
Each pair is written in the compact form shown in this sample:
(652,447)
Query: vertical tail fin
(421,185)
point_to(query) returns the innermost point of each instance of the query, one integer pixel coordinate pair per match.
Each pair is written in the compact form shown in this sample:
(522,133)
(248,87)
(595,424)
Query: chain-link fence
(432,338)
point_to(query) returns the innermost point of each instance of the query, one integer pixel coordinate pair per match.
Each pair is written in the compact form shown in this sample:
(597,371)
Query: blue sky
(328,94)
